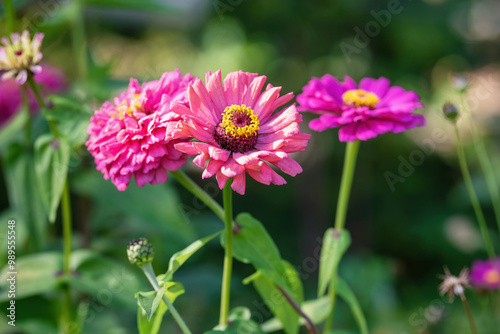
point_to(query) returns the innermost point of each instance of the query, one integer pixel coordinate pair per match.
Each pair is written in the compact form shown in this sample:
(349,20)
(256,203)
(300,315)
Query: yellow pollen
(244,113)
(128,107)
(492,276)
(360,98)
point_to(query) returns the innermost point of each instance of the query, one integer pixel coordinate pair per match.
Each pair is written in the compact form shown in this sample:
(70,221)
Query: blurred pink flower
(237,130)
(486,274)
(51,80)
(20,54)
(136,135)
(362,112)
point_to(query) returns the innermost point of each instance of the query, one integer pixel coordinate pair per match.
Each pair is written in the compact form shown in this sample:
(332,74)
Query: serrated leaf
(182,256)
(335,243)
(344,291)
(252,244)
(51,166)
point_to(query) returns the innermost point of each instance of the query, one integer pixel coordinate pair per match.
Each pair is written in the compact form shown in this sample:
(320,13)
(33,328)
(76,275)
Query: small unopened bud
(450,111)
(140,252)
(459,81)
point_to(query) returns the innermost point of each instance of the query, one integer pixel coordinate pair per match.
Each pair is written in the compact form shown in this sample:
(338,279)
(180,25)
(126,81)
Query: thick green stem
(351,154)
(10,15)
(228,255)
(192,187)
(472,195)
(41,102)
(148,271)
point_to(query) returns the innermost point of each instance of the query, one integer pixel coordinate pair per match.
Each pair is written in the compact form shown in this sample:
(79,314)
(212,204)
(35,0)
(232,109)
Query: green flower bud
(450,111)
(140,252)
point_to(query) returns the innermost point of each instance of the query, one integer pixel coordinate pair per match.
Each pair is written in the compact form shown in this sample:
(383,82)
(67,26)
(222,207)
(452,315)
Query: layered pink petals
(278,133)
(136,136)
(392,113)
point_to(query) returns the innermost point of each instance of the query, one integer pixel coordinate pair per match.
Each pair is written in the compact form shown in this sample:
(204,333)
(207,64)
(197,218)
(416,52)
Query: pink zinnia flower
(486,274)
(20,54)
(362,112)
(51,80)
(238,132)
(136,135)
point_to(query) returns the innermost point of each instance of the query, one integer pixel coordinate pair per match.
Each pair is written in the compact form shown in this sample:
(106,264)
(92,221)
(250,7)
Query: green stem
(472,195)
(148,271)
(79,40)
(469,314)
(228,255)
(41,102)
(351,154)
(486,166)
(191,186)
(67,228)
(10,14)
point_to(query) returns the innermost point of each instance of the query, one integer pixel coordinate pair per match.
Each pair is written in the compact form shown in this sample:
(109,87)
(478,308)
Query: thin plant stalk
(469,314)
(309,324)
(485,163)
(148,271)
(195,189)
(228,254)
(41,102)
(351,154)
(472,195)
(10,15)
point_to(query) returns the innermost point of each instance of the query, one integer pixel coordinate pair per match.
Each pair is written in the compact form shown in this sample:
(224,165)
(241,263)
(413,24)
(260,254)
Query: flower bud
(450,111)
(459,81)
(140,252)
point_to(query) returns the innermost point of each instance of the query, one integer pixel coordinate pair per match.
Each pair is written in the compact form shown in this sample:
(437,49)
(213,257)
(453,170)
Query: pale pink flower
(237,130)
(135,135)
(20,54)
(361,111)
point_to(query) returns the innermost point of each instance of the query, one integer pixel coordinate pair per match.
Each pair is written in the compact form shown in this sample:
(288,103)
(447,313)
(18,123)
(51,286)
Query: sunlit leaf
(335,243)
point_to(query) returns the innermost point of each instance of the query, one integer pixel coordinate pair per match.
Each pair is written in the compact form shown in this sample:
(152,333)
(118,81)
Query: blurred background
(409,212)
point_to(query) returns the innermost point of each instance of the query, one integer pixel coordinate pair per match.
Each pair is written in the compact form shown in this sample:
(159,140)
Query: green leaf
(345,292)
(240,322)
(275,300)
(152,308)
(252,244)
(106,280)
(182,256)
(51,167)
(23,196)
(13,128)
(36,274)
(335,243)
(149,301)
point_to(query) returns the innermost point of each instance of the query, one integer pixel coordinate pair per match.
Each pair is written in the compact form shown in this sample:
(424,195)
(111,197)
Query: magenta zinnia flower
(238,132)
(486,274)
(362,112)
(136,135)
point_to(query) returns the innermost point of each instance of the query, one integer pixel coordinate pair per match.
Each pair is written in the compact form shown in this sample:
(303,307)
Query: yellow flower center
(240,121)
(360,98)
(492,276)
(237,132)
(129,107)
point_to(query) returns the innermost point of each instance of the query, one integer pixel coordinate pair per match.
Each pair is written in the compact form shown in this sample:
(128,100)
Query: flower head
(238,131)
(486,274)
(20,54)
(361,111)
(453,285)
(140,252)
(135,135)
